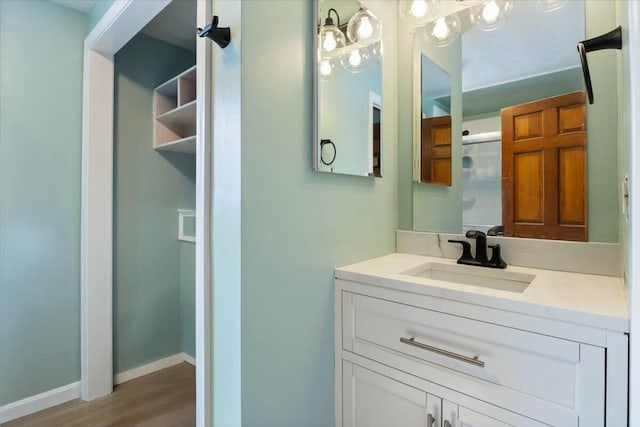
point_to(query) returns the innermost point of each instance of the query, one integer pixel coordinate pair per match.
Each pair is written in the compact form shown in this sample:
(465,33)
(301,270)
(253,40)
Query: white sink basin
(475,276)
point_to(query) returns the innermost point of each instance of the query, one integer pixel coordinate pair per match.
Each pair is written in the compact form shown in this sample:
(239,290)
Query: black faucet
(480,259)
(481,246)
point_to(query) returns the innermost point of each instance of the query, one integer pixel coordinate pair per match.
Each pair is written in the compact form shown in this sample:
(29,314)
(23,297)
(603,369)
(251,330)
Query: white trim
(38,402)
(633,277)
(149,368)
(96,226)
(203,295)
(375,101)
(188,359)
(182,214)
(226,214)
(121,22)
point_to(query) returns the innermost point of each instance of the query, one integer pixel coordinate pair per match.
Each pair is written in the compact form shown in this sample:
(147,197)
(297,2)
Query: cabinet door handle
(447,423)
(472,360)
(430,420)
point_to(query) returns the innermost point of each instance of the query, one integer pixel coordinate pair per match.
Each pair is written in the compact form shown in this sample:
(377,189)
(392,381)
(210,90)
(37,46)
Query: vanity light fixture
(356,60)
(550,5)
(418,12)
(332,39)
(375,50)
(326,67)
(443,31)
(491,14)
(363,28)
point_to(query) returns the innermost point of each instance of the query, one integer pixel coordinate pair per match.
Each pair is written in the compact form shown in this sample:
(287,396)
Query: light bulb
(325,68)
(419,8)
(490,12)
(354,58)
(441,29)
(417,13)
(329,43)
(365,29)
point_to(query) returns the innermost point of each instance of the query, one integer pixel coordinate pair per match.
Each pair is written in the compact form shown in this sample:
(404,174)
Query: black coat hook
(610,40)
(220,35)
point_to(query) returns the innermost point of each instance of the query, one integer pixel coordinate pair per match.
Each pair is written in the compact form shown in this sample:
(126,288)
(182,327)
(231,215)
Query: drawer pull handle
(430,420)
(447,423)
(472,360)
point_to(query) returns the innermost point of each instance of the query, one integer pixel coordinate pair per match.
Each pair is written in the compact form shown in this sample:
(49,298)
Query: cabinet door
(456,415)
(373,400)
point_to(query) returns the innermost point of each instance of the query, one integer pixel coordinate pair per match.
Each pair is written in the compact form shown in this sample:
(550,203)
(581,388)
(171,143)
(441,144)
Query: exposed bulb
(365,29)
(355,59)
(325,68)
(419,8)
(441,29)
(490,12)
(329,44)
(417,13)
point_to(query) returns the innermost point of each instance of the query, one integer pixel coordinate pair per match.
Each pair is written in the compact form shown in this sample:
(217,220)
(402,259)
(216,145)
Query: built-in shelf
(174,112)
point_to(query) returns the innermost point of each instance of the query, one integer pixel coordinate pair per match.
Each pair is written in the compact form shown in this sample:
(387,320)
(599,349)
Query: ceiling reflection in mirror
(348,83)
(523,159)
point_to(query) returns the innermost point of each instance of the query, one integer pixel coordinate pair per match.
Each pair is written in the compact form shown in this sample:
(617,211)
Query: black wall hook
(220,35)
(610,40)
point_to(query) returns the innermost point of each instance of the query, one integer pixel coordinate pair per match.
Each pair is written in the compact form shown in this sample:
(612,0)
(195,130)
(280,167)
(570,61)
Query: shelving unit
(174,112)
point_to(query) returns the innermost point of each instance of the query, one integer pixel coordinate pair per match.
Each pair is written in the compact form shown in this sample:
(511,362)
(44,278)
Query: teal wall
(40,166)
(434,205)
(149,187)
(602,128)
(298,225)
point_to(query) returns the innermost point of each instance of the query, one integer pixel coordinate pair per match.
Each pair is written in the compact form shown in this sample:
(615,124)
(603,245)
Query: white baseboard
(38,402)
(189,359)
(149,368)
(63,394)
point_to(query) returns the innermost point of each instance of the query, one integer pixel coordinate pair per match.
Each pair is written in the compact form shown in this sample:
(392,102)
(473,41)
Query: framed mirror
(347,89)
(435,123)
(521,91)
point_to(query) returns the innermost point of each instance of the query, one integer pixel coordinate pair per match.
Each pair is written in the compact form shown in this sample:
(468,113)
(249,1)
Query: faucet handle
(466,250)
(475,234)
(496,260)
(496,230)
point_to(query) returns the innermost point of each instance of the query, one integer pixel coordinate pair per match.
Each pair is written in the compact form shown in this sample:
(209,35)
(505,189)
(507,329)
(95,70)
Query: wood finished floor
(166,398)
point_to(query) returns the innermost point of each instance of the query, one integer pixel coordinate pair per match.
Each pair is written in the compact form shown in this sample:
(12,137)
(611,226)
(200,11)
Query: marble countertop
(586,299)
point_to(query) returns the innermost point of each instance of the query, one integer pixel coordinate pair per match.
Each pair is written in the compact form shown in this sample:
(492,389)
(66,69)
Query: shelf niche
(174,112)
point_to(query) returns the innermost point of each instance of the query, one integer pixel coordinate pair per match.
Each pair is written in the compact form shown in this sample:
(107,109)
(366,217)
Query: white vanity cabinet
(410,358)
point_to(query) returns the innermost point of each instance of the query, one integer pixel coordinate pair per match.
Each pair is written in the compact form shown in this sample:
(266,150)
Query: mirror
(531,57)
(347,89)
(435,123)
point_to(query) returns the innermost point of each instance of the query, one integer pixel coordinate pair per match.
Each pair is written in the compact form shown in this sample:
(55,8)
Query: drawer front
(544,367)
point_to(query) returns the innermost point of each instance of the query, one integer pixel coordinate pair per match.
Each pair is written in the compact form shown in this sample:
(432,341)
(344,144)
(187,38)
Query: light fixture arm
(329,20)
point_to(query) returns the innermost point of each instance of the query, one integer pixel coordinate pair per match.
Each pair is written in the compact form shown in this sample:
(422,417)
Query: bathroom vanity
(423,341)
